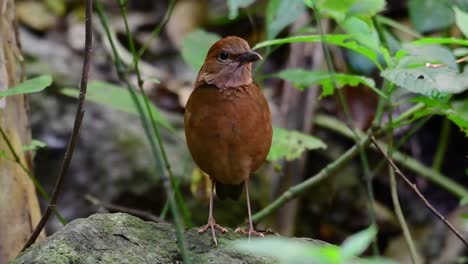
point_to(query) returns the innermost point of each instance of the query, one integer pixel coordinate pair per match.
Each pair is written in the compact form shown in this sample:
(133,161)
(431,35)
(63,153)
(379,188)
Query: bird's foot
(250,231)
(212,225)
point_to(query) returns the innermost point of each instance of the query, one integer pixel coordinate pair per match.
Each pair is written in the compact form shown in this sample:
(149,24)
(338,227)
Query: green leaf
(289,251)
(459,114)
(234,5)
(456,111)
(290,144)
(356,244)
(461,18)
(340,40)
(431,15)
(363,31)
(420,54)
(280,14)
(436,83)
(341,9)
(32,85)
(455,41)
(366,8)
(464,201)
(337,9)
(116,97)
(310,3)
(460,52)
(34,145)
(303,79)
(195,47)
(376,261)
(57,6)
(3,154)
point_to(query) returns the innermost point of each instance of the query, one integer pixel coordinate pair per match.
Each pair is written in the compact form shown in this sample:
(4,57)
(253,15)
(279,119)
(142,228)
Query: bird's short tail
(231,191)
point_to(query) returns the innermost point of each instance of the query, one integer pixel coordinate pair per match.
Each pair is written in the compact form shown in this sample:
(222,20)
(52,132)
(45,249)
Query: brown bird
(228,124)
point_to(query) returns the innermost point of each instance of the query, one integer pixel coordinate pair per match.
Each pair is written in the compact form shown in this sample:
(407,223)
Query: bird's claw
(249,232)
(212,225)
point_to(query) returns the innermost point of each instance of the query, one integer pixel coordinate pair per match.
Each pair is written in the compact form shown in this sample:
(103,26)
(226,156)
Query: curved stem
(76,127)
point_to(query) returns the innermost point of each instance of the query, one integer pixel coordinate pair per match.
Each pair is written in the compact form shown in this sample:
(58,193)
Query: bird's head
(228,64)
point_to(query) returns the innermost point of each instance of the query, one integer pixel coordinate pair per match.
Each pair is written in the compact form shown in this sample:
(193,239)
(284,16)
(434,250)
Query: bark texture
(19,207)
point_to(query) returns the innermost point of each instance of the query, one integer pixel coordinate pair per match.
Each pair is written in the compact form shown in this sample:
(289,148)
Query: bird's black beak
(249,56)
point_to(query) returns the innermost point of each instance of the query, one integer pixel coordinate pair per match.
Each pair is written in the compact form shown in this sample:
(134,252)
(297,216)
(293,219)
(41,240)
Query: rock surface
(122,238)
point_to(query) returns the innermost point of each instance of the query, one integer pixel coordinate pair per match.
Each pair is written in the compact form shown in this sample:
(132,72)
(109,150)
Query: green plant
(297,251)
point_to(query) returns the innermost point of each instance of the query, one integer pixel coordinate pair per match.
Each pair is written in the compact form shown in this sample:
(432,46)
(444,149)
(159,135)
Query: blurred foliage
(461,18)
(290,145)
(295,251)
(32,85)
(195,47)
(384,57)
(34,145)
(116,97)
(304,79)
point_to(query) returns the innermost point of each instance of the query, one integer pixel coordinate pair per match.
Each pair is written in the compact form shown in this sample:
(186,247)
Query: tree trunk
(19,207)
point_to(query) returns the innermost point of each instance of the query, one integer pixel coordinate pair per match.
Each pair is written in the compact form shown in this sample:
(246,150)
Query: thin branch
(440,65)
(157,29)
(418,193)
(136,212)
(76,128)
(408,162)
(300,188)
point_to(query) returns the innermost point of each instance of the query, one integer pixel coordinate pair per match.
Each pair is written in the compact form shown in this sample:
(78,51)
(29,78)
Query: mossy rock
(122,238)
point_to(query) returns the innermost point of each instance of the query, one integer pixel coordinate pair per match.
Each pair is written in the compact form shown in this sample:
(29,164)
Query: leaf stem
(394,193)
(168,186)
(442,145)
(350,122)
(33,178)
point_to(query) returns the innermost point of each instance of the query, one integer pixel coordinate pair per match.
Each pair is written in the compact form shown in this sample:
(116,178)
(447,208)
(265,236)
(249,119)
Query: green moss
(121,238)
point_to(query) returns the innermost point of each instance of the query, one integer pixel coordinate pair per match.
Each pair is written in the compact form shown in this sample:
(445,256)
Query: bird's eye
(223,55)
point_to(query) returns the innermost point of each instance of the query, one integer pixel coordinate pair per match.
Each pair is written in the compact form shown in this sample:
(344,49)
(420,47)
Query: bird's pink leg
(251,231)
(211,221)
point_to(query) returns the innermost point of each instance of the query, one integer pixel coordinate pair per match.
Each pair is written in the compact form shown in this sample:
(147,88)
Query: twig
(418,193)
(441,145)
(440,65)
(299,189)
(76,128)
(136,212)
(157,29)
(408,162)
